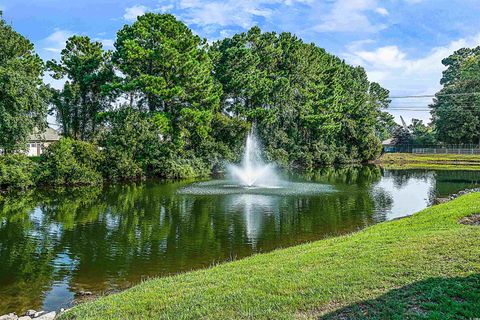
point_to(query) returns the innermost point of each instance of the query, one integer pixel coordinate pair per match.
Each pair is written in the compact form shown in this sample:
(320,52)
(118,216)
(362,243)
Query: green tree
(16,172)
(310,107)
(132,143)
(456,108)
(422,135)
(88,71)
(385,126)
(402,136)
(70,162)
(23,95)
(165,66)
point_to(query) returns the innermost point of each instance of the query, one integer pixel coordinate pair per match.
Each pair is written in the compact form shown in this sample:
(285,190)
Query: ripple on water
(225,187)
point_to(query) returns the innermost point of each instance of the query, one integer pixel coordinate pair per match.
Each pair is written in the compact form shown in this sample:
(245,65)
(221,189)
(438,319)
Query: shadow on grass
(434,298)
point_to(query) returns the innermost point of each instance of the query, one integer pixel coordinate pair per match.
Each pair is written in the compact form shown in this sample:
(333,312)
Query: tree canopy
(165,66)
(88,71)
(456,108)
(309,106)
(23,96)
(165,102)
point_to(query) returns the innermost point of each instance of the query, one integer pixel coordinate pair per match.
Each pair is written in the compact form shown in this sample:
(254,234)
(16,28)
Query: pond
(56,243)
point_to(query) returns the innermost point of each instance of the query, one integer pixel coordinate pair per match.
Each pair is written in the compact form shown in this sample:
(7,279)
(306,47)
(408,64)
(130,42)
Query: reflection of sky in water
(58,296)
(60,291)
(405,195)
(254,208)
(113,237)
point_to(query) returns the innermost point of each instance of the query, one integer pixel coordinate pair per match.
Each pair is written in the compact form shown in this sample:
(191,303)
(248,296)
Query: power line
(426,109)
(429,108)
(434,95)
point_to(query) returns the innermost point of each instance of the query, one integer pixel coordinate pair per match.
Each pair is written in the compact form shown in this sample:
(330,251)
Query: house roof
(387,142)
(48,135)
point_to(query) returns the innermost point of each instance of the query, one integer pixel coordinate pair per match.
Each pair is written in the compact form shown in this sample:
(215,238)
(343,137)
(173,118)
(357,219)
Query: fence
(445,149)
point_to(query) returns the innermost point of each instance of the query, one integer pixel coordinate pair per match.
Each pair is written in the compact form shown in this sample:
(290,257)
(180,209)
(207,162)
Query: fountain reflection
(254,209)
(55,243)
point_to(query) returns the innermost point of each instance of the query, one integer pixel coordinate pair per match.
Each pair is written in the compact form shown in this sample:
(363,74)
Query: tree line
(167,103)
(455,109)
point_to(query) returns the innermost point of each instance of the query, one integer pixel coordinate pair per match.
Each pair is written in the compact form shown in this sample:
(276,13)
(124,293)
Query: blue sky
(399,42)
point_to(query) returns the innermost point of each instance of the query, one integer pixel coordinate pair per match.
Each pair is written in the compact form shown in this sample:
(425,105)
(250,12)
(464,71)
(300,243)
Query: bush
(70,162)
(323,154)
(132,143)
(121,165)
(16,172)
(181,168)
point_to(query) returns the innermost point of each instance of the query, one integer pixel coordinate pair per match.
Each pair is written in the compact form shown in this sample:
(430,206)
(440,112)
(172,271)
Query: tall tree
(422,134)
(310,106)
(456,107)
(23,95)
(165,66)
(88,71)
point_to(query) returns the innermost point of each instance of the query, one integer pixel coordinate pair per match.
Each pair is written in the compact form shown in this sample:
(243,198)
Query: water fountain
(253,171)
(254,177)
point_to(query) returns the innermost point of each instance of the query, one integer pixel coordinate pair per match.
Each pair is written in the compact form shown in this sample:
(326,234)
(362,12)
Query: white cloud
(223,13)
(383,57)
(227,13)
(349,16)
(132,13)
(166,8)
(55,42)
(382,11)
(392,61)
(402,75)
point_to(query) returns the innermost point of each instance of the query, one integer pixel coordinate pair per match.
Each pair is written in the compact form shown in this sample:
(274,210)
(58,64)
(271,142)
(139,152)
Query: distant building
(38,141)
(388,145)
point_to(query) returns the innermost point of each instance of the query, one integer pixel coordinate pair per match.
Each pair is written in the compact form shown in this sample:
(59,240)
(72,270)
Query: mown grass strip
(466,159)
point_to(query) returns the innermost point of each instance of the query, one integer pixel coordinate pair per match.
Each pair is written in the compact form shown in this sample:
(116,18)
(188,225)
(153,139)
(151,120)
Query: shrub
(323,154)
(132,143)
(121,165)
(279,156)
(16,172)
(181,168)
(70,162)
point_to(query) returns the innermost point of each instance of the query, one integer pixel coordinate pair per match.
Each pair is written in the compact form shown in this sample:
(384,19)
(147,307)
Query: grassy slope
(426,265)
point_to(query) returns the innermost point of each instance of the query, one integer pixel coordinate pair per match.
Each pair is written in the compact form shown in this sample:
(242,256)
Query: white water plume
(253,171)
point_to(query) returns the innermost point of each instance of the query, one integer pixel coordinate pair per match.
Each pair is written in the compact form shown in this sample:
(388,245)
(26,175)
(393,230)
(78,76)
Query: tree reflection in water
(54,243)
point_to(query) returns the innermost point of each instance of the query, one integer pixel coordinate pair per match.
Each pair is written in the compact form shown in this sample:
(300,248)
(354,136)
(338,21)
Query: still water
(56,243)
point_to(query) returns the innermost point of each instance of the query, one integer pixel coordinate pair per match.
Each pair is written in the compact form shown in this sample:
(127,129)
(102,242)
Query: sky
(400,43)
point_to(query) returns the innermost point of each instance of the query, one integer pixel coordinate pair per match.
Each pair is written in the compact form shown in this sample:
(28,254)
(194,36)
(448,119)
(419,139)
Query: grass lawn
(429,166)
(409,159)
(426,266)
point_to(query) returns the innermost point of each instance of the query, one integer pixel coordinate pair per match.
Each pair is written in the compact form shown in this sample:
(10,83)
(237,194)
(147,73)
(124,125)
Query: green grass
(429,166)
(431,158)
(426,266)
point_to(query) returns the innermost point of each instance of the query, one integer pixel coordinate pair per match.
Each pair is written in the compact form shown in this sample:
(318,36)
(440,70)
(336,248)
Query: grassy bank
(440,161)
(428,166)
(427,265)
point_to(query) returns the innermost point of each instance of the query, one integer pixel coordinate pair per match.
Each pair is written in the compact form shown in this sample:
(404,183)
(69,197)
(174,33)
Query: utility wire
(435,95)
(427,108)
